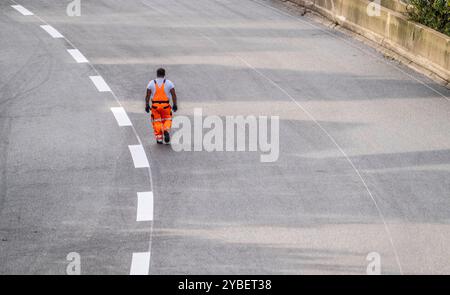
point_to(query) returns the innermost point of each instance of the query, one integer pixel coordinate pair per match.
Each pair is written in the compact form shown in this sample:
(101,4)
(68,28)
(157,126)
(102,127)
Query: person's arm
(174,99)
(147,100)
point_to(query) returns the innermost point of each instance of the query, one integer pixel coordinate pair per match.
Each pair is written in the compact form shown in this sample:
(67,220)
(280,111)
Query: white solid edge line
(100,83)
(52,31)
(121,116)
(140,264)
(22,10)
(139,156)
(144,206)
(77,55)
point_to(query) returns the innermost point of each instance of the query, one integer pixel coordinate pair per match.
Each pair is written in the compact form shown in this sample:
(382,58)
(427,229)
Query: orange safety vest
(160,93)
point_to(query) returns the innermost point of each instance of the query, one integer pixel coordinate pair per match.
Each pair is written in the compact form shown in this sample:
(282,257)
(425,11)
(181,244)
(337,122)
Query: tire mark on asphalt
(72,46)
(39,66)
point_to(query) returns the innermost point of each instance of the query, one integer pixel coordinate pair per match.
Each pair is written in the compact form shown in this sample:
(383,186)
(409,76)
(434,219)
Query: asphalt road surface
(364,145)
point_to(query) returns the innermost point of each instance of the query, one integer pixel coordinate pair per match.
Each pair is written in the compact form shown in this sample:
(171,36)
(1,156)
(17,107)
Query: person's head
(160,73)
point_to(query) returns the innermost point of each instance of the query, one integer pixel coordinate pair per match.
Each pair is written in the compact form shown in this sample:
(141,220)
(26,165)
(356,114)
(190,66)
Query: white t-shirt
(169,86)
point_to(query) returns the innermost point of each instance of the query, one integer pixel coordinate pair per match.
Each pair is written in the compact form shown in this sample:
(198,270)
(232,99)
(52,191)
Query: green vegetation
(431,13)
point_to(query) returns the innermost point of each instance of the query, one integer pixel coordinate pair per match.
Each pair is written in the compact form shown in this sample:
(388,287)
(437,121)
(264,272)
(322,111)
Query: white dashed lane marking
(121,117)
(52,31)
(100,83)
(140,263)
(139,156)
(77,55)
(145,206)
(22,10)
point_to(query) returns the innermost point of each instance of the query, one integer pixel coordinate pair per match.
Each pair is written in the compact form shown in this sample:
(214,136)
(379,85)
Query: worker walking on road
(161,91)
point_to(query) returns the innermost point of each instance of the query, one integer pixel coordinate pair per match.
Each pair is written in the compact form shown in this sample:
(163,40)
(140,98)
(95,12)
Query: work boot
(166,137)
(159,141)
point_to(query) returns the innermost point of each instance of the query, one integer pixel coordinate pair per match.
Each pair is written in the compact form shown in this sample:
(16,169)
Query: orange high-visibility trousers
(161,111)
(161,119)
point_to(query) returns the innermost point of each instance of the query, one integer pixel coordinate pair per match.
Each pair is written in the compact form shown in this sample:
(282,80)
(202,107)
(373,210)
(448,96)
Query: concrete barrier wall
(395,5)
(421,45)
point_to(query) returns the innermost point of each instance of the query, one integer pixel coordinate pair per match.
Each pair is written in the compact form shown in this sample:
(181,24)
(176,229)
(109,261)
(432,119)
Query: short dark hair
(160,73)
